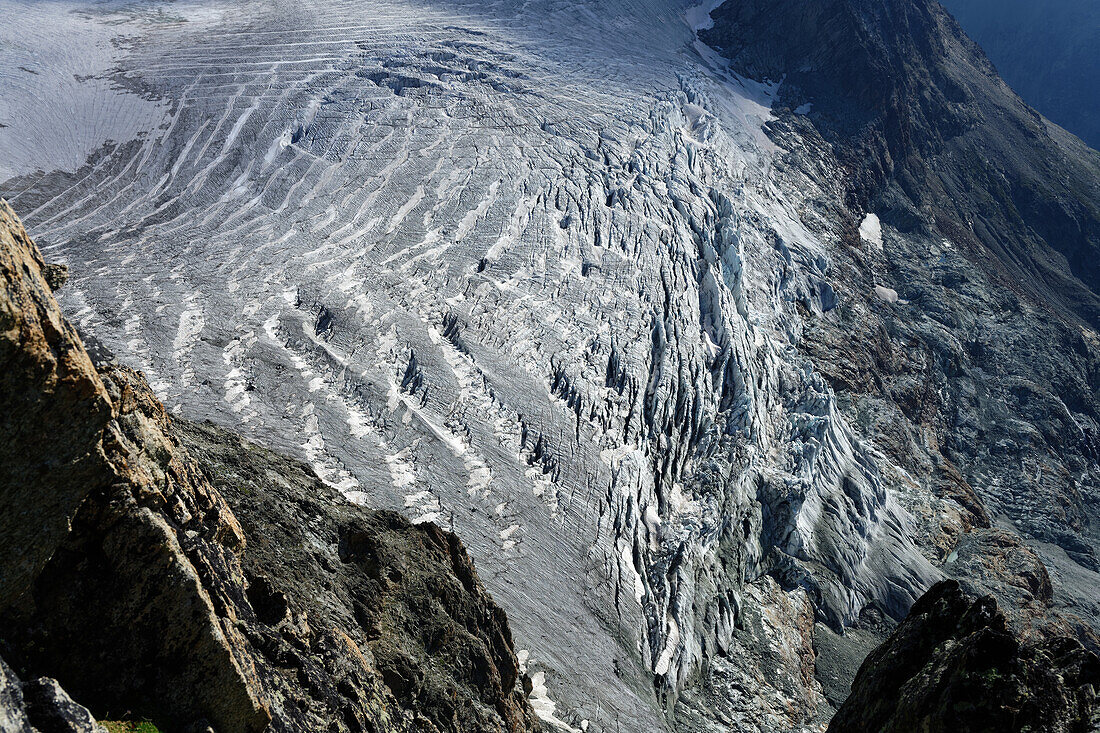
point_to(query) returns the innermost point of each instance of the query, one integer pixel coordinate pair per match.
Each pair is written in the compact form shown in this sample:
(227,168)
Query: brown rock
(53,410)
(98,504)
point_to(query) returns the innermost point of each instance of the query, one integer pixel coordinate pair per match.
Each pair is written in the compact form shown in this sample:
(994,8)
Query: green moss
(129,726)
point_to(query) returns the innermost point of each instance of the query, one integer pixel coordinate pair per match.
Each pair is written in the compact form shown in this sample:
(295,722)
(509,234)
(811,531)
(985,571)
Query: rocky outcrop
(954,665)
(128,577)
(53,410)
(405,596)
(40,706)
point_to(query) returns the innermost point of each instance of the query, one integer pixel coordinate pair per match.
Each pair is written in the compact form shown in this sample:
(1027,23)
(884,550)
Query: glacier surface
(522,269)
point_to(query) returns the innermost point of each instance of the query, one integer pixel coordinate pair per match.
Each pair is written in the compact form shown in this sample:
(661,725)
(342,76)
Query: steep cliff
(146,595)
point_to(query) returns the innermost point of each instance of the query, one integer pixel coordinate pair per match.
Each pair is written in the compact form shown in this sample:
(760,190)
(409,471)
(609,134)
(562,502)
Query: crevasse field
(524,269)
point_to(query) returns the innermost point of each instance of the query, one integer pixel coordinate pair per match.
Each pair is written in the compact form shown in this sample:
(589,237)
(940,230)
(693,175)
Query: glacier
(527,270)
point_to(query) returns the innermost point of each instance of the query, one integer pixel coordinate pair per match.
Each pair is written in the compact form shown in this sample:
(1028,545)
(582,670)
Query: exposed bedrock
(54,408)
(930,137)
(40,706)
(954,664)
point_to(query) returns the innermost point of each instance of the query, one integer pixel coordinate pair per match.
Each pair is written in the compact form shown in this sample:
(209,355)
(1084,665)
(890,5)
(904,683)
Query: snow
(698,16)
(543,706)
(570,218)
(870,230)
(885,294)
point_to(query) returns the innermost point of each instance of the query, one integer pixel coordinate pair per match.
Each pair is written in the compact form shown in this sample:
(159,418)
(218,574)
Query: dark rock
(53,411)
(51,710)
(954,665)
(56,275)
(40,706)
(405,596)
(921,122)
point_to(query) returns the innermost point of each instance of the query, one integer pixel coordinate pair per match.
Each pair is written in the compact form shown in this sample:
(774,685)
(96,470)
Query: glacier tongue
(523,270)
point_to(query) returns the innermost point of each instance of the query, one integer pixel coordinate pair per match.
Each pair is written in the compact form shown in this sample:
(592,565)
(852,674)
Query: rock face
(926,130)
(326,576)
(40,706)
(53,410)
(954,665)
(142,599)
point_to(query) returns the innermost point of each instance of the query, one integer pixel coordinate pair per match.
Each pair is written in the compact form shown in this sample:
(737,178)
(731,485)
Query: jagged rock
(40,706)
(118,598)
(142,605)
(51,710)
(953,665)
(929,136)
(407,596)
(56,275)
(53,410)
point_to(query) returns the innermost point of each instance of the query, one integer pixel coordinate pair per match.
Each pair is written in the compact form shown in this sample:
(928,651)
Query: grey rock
(40,706)
(52,710)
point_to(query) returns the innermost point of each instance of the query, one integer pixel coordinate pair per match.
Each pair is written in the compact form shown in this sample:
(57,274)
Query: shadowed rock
(954,665)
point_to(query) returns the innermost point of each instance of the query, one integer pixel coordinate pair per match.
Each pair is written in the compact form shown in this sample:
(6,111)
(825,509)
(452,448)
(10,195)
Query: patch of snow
(698,16)
(870,230)
(885,294)
(543,706)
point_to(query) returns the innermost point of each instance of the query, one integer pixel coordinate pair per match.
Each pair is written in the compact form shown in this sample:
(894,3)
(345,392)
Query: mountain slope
(569,283)
(1046,52)
(911,102)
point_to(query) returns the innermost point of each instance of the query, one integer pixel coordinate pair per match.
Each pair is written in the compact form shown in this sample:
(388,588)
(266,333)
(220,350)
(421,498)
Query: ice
(870,230)
(543,706)
(524,269)
(57,59)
